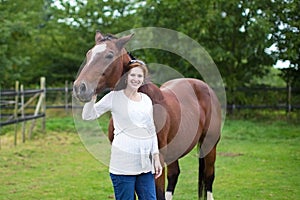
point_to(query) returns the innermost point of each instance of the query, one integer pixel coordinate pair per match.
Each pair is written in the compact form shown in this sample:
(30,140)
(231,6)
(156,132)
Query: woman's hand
(157,166)
(94,98)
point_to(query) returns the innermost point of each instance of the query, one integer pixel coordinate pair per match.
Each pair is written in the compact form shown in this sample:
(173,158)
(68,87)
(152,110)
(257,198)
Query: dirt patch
(230,154)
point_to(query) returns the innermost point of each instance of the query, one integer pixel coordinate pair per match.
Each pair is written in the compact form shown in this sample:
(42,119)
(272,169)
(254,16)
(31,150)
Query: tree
(235,33)
(286,37)
(70,30)
(19,21)
(43,38)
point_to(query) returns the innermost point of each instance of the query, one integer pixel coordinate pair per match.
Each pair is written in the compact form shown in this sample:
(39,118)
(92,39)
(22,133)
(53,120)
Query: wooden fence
(259,98)
(274,98)
(16,99)
(61,98)
(242,98)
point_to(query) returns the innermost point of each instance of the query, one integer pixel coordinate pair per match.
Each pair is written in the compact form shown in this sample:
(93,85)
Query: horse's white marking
(168,195)
(210,196)
(97,49)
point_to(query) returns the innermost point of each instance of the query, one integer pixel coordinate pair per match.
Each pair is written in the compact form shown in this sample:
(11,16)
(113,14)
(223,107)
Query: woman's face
(135,78)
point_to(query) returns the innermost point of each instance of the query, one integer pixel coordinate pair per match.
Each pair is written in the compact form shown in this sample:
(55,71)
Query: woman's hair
(140,64)
(122,83)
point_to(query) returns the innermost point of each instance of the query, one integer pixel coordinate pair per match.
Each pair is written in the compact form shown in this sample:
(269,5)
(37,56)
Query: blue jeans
(126,185)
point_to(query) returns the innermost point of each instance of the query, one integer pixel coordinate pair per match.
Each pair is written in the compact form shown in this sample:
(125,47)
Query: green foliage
(234,34)
(273,79)
(44,38)
(19,22)
(285,32)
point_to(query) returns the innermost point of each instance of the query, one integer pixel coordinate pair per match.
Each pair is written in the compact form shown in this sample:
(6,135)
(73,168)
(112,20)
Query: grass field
(256,160)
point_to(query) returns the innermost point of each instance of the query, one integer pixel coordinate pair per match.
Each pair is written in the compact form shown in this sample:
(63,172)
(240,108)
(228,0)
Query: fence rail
(275,107)
(25,118)
(19,93)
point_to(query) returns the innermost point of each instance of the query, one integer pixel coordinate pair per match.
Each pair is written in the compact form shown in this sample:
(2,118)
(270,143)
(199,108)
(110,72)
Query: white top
(135,139)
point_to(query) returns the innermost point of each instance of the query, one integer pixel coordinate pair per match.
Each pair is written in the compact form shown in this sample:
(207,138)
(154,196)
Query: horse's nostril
(82,87)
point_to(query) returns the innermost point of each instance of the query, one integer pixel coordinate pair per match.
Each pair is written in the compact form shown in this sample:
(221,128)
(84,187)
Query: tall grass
(256,160)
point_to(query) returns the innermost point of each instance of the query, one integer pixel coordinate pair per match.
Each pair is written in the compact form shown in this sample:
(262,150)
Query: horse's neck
(153,92)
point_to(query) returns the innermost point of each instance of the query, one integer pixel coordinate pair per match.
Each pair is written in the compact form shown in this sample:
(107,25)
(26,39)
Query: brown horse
(186,112)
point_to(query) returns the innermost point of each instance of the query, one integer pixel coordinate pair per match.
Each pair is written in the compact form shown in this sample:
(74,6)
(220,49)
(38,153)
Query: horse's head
(103,68)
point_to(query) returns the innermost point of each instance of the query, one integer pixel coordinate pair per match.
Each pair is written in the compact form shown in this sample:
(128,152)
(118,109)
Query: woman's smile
(135,77)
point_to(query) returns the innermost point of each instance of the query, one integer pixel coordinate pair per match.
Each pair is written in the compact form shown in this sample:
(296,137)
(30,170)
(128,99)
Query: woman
(134,153)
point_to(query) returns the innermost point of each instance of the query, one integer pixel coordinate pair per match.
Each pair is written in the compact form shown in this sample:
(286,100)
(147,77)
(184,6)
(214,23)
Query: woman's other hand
(157,166)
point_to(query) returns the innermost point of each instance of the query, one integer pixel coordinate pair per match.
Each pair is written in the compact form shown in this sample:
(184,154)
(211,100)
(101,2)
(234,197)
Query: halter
(134,60)
(131,56)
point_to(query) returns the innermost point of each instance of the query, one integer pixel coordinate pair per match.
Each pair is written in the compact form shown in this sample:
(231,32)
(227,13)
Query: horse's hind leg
(173,173)
(207,174)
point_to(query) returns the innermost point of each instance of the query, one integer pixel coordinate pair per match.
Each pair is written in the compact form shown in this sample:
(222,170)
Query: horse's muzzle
(82,92)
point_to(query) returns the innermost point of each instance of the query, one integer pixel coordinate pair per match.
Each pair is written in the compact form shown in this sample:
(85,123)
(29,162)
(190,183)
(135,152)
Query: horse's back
(193,94)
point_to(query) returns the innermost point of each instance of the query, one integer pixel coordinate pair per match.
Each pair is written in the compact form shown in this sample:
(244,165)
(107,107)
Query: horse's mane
(153,92)
(108,37)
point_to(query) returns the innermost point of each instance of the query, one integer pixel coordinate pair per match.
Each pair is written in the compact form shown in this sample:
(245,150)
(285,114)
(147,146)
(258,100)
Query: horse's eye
(110,55)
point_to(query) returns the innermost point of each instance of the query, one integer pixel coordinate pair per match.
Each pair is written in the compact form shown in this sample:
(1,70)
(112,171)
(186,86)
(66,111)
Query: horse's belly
(187,125)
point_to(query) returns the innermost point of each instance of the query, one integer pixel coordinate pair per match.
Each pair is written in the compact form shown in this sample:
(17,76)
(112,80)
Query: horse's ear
(123,40)
(98,36)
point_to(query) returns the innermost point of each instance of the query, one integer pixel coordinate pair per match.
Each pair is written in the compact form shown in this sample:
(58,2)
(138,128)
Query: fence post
(23,114)
(36,112)
(289,97)
(43,110)
(66,95)
(16,111)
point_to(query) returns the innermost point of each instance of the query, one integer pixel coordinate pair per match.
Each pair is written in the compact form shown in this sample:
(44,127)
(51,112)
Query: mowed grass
(52,166)
(256,160)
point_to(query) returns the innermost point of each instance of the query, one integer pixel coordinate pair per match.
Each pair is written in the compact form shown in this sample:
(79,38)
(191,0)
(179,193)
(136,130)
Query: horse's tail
(201,182)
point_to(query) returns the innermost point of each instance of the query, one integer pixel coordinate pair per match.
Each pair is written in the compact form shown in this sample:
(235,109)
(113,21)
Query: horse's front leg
(160,186)
(209,173)
(173,174)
